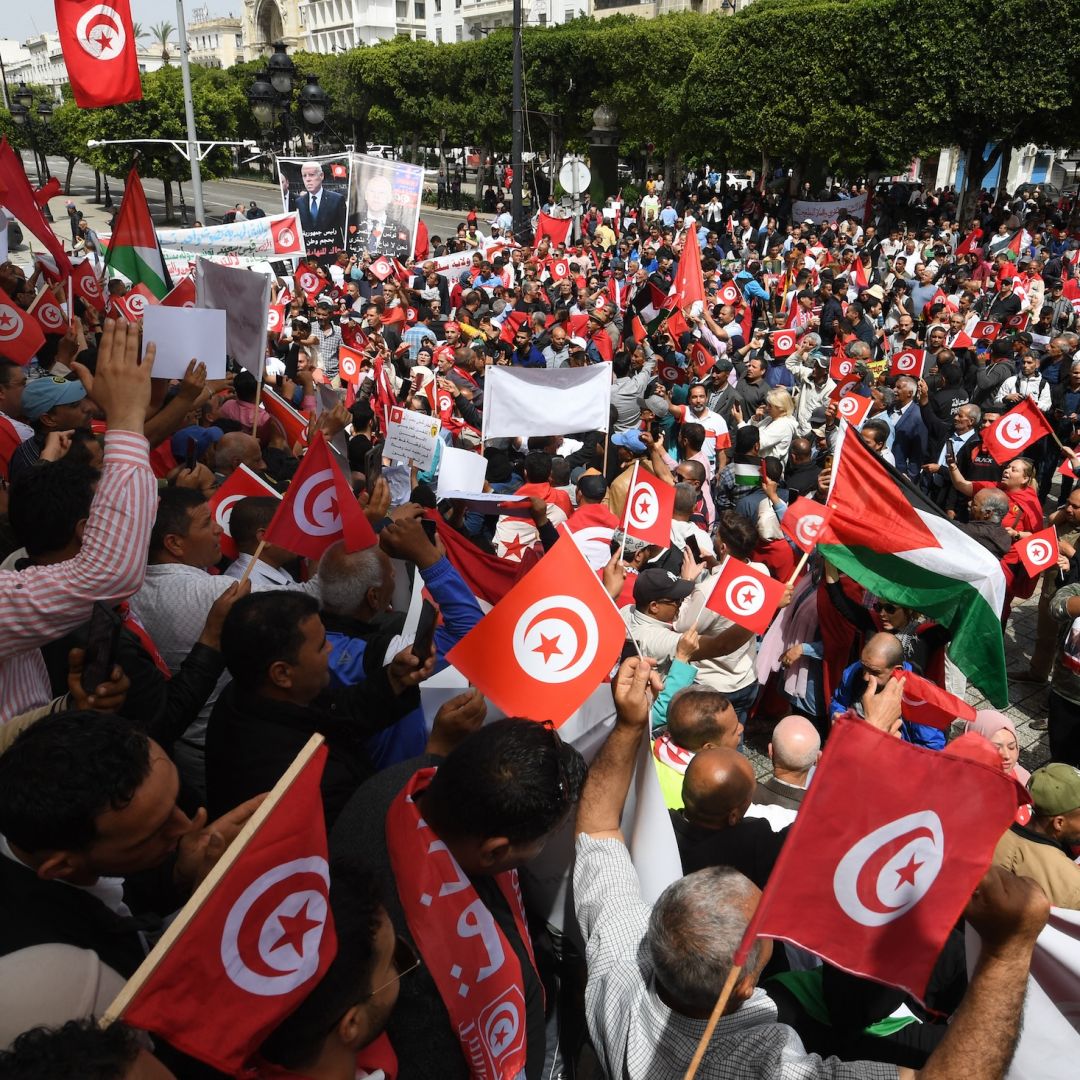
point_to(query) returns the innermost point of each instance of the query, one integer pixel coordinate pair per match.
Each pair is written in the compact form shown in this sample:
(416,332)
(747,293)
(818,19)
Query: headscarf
(988,722)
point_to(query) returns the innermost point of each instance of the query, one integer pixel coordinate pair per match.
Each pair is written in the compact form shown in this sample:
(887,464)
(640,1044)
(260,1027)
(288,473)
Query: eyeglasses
(405,959)
(887,609)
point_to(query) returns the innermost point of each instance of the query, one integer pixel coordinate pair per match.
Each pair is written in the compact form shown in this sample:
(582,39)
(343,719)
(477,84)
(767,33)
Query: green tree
(162,34)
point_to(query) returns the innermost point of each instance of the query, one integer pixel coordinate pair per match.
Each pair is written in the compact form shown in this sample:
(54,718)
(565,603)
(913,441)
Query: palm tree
(138,30)
(161,34)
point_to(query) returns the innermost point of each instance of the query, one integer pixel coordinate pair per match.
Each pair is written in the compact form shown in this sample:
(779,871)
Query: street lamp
(22,114)
(270,97)
(23,95)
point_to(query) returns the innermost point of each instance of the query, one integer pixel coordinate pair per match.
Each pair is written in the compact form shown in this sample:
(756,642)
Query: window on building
(543,18)
(239,41)
(402,9)
(438,35)
(438,7)
(419,10)
(421,35)
(458,32)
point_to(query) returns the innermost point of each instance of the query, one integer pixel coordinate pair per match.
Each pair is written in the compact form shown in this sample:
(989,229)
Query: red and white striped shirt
(42,603)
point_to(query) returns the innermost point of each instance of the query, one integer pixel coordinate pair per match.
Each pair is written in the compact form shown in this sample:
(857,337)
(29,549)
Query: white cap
(579,342)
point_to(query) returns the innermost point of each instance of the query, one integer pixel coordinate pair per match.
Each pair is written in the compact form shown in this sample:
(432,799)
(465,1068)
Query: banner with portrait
(817,212)
(318,189)
(384,208)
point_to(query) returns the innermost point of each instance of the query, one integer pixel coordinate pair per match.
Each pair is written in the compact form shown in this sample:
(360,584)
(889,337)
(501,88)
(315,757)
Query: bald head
(701,719)
(990,504)
(795,749)
(717,788)
(879,656)
(234,449)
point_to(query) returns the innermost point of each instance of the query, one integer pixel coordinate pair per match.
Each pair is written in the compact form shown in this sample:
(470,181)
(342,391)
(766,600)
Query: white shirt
(265,577)
(1025,386)
(24,431)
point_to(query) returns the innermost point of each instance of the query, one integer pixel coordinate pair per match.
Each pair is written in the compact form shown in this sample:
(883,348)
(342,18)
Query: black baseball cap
(656,584)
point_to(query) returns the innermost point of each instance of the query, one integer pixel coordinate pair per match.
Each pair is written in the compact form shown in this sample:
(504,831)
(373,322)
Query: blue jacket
(750,286)
(350,663)
(533,358)
(848,694)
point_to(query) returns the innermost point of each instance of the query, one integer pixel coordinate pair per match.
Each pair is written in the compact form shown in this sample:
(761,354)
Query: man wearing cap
(50,404)
(811,371)
(989,376)
(658,594)
(1040,849)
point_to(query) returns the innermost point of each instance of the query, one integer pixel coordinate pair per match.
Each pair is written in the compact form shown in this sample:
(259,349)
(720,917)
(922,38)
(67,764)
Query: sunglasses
(887,609)
(405,959)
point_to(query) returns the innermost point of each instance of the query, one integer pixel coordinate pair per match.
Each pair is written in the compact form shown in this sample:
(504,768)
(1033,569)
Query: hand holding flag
(746,596)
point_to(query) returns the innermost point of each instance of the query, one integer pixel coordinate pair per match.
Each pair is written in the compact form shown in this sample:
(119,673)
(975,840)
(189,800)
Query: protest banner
(271,237)
(384,206)
(411,437)
(804,209)
(317,188)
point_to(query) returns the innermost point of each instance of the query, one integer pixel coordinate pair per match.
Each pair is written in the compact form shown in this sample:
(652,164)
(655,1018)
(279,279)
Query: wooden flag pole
(714,1019)
(254,560)
(199,897)
(258,399)
(798,568)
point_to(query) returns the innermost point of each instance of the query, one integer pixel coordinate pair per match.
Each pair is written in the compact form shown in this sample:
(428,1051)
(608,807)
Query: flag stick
(798,568)
(254,560)
(258,398)
(209,883)
(714,1019)
(629,493)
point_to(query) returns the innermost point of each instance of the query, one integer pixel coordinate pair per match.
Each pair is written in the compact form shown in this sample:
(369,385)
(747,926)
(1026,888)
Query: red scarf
(473,965)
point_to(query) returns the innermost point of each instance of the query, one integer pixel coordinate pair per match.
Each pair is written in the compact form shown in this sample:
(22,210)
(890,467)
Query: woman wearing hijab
(1001,731)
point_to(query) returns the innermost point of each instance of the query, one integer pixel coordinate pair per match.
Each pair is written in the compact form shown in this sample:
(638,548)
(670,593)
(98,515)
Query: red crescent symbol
(866,886)
(573,620)
(247,940)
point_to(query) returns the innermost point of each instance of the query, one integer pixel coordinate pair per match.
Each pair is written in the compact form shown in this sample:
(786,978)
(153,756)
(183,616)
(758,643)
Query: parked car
(14,232)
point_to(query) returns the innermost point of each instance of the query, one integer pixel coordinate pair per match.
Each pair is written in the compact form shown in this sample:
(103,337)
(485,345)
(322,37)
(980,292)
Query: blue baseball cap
(46,393)
(204,437)
(631,440)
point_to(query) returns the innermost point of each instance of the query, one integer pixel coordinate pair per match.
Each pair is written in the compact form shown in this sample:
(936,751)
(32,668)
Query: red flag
(841,367)
(962,341)
(551,640)
(745,596)
(422,244)
(319,508)
(884,855)
(602,340)
(511,324)
(98,42)
(293,423)
(858,274)
(677,326)
(182,296)
(987,331)
(309,283)
(924,702)
(558,268)
(783,343)
(49,314)
(9,443)
(87,285)
(671,373)
(241,483)
(349,361)
(286,237)
(133,304)
(853,408)
(1066,468)
(1017,322)
(592,526)
(19,199)
(803,521)
(256,944)
(381,268)
(649,507)
(689,285)
(49,190)
(557,230)
(729,294)
(275,319)
(700,360)
(489,577)
(20,335)
(1010,436)
(938,298)
(967,245)
(909,362)
(1039,551)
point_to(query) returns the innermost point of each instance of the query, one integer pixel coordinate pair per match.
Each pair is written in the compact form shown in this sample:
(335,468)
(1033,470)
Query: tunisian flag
(804,519)
(319,508)
(241,483)
(255,943)
(557,230)
(98,41)
(649,507)
(19,199)
(925,702)
(745,596)
(548,643)
(1010,436)
(689,285)
(884,855)
(1039,551)
(20,334)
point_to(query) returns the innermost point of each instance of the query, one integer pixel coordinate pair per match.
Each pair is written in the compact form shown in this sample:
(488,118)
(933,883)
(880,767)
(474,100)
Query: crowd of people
(121,784)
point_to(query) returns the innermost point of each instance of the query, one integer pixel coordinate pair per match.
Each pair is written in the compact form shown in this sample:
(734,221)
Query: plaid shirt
(636,1036)
(329,342)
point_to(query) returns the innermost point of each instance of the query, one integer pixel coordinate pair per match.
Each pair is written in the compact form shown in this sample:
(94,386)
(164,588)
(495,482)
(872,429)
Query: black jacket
(251,740)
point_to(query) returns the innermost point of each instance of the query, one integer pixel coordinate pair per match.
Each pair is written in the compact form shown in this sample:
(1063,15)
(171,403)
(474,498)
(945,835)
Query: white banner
(818,212)
(453,265)
(262,238)
(545,401)
(1049,1045)
(245,298)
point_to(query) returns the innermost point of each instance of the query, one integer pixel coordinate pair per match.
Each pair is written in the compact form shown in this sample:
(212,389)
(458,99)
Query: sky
(22,21)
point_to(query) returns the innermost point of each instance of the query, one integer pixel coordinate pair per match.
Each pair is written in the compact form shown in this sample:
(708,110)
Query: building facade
(215,41)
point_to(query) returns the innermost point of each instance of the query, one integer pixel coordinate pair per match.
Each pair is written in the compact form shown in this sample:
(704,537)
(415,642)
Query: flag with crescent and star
(548,643)
(319,508)
(98,42)
(649,508)
(888,846)
(1017,429)
(254,939)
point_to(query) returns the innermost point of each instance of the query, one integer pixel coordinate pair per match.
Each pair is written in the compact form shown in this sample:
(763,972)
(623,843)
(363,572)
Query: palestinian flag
(134,250)
(747,472)
(1021,239)
(648,302)
(895,543)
